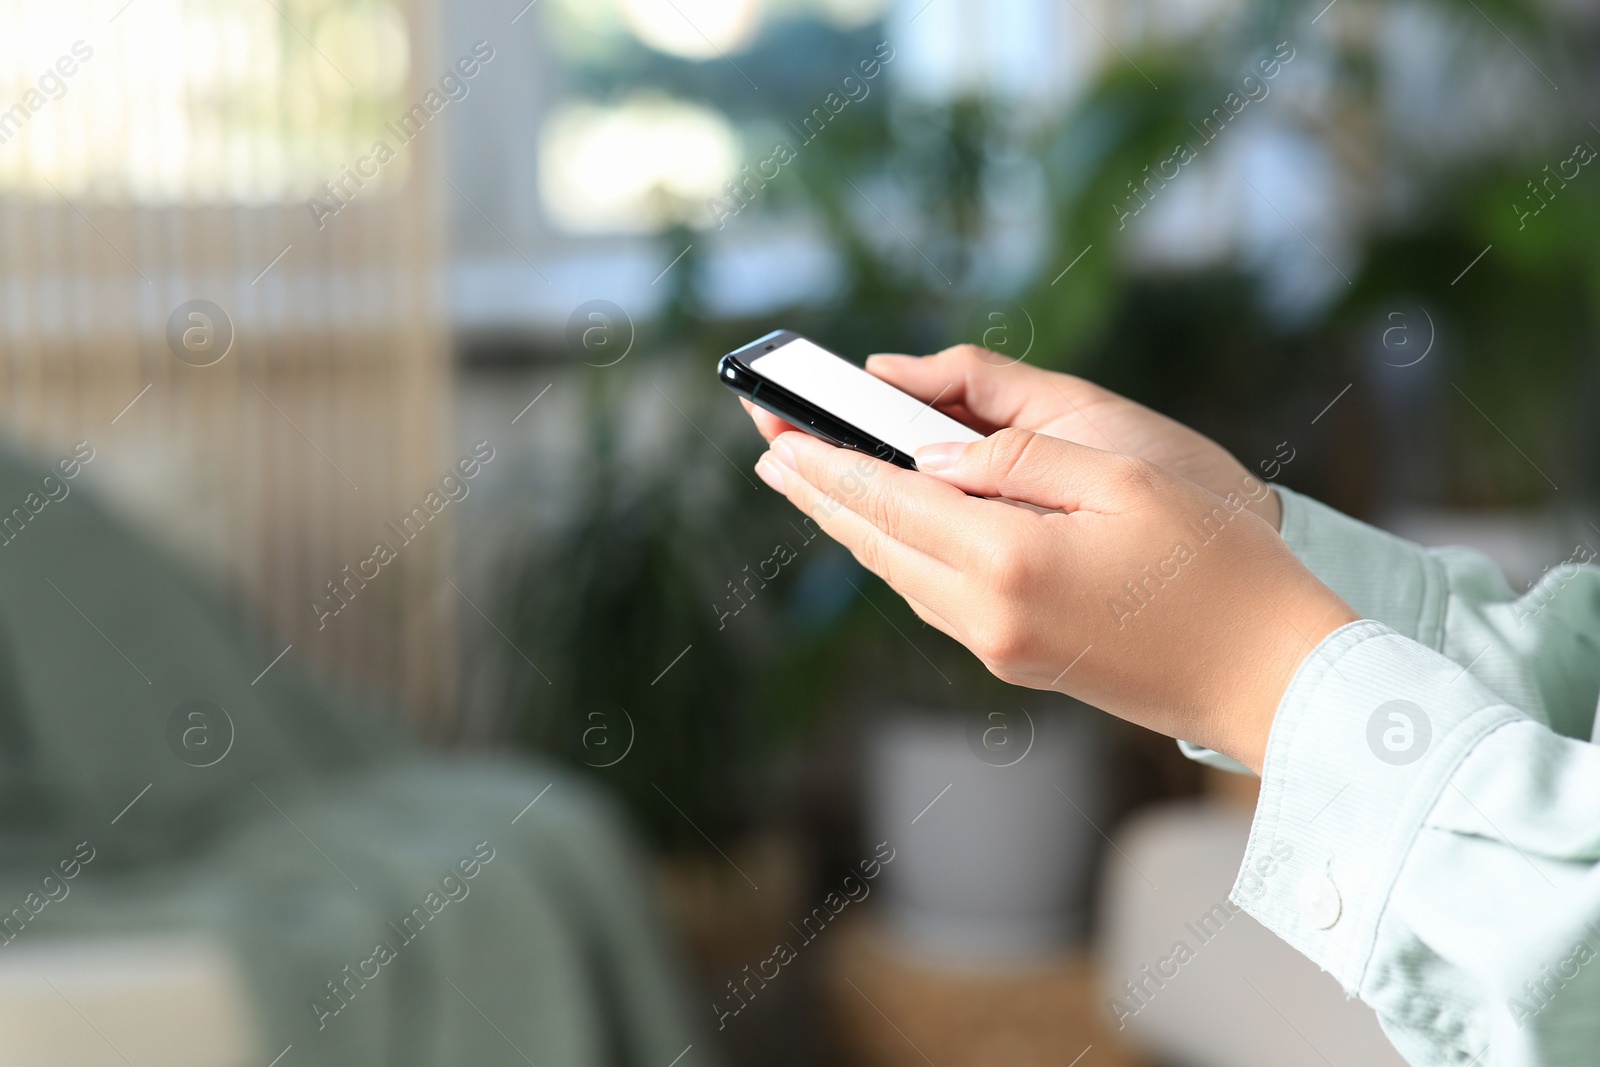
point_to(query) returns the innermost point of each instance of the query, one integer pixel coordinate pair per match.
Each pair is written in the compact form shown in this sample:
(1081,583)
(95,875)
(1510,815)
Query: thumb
(1021,465)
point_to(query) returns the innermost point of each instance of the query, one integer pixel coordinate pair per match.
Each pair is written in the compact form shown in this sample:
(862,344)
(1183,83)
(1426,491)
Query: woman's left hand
(1138,592)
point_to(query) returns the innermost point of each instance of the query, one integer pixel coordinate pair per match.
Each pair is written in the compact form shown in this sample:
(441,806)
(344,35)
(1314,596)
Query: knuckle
(844,487)
(966,355)
(869,552)
(1009,571)
(1008,449)
(1010,675)
(1000,644)
(1134,477)
(882,510)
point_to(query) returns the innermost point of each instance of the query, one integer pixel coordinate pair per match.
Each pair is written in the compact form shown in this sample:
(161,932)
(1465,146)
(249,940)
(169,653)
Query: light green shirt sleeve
(1429,823)
(1539,651)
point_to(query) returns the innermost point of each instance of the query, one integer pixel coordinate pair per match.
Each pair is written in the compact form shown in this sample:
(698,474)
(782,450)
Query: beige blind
(163,152)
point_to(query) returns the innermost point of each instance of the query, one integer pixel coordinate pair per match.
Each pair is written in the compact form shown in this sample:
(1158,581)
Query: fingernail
(781,452)
(770,472)
(935,458)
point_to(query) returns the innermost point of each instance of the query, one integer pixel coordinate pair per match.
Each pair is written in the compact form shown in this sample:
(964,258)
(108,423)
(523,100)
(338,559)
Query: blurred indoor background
(390,329)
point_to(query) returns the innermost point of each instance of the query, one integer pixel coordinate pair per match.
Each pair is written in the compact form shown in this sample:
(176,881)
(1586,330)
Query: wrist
(1301,626)
(1233,479)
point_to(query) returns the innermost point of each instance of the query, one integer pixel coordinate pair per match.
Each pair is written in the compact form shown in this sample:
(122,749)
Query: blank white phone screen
(850,394)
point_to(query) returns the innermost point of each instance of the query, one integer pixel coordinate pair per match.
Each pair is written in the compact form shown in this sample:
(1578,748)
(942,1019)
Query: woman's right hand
(988,391)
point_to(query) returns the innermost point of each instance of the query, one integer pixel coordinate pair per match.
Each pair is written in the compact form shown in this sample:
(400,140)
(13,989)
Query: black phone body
(827,396)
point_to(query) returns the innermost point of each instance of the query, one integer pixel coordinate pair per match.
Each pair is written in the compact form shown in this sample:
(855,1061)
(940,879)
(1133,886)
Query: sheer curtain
(167,159)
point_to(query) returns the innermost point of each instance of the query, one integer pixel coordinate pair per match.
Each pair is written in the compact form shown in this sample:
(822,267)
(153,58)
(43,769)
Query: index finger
(914,509)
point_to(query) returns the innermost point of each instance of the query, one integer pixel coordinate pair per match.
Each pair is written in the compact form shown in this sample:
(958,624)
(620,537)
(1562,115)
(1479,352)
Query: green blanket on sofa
(387,906)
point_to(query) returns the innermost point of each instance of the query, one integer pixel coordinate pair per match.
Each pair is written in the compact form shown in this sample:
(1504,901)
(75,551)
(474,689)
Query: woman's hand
(1140,592)
(987,391)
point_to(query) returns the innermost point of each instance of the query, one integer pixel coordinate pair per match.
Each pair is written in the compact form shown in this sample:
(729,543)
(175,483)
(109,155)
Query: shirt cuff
(1381,576)
(1368,734)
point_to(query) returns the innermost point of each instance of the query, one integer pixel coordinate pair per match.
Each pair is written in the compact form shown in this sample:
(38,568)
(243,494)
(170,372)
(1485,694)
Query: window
(169,101)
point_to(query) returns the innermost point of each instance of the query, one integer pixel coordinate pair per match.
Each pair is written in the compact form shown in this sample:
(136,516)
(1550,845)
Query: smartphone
(829,397)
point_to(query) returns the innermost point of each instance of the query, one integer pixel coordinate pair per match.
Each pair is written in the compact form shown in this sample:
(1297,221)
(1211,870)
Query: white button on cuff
(1319,900)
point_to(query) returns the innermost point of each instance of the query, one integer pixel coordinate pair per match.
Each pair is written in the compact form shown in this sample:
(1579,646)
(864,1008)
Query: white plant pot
(994,825)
